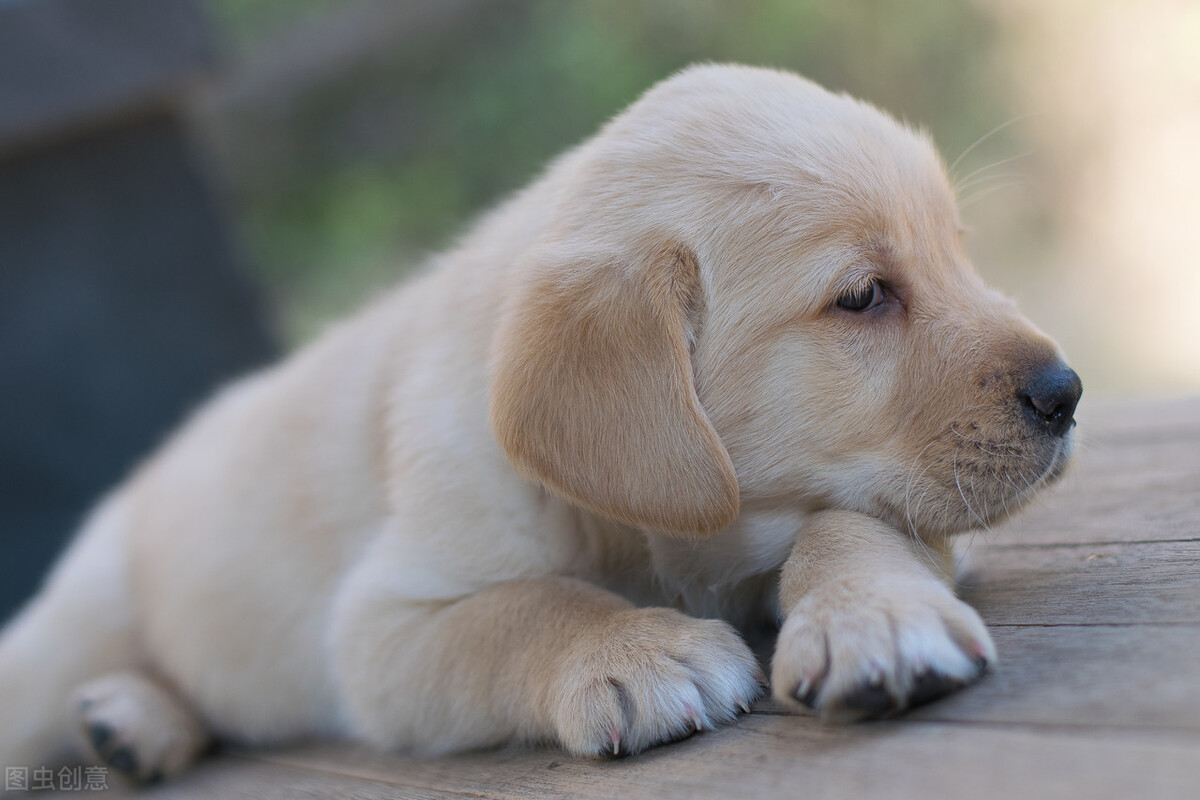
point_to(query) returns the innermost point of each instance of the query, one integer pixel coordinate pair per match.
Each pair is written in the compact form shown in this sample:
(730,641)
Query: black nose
(1050,397)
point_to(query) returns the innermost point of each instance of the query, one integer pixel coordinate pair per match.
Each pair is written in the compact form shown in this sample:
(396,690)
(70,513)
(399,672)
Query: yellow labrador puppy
(725,361)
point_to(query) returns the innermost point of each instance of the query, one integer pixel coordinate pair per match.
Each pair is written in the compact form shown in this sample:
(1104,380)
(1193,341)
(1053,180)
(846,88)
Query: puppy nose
(1050,398)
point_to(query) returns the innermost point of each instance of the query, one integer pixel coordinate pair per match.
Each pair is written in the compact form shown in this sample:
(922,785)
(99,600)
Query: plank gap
(300,764)
(1111,543)
(1171,732)
(1155,624)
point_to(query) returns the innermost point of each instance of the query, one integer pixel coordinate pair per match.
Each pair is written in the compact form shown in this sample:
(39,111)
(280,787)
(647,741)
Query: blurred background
(263,166)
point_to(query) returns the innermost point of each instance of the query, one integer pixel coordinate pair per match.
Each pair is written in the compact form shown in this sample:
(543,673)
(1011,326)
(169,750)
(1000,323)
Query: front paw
(650,676)
(853,650)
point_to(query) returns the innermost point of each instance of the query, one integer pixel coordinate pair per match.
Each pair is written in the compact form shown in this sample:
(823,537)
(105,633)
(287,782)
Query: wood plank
(1118,583)
(1137,676)
(764,756)
(231,777)
(1055,706)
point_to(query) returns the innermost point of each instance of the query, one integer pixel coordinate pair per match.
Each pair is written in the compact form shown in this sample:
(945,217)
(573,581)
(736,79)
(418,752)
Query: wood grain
(1090,584)
(1120,676)
(764,756)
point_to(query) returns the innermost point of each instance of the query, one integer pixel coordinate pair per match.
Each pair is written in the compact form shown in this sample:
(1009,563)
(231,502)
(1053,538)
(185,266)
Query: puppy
(727,361)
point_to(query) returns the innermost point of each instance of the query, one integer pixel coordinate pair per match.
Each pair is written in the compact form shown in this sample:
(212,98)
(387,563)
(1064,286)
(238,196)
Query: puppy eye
(862,298)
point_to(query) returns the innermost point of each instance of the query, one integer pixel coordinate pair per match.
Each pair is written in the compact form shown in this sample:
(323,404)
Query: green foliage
(391,160)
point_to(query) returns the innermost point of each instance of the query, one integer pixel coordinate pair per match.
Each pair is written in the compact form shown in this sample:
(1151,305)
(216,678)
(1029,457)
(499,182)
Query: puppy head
(755,293)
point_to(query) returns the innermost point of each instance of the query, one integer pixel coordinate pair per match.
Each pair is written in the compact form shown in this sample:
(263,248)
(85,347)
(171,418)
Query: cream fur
(483,509)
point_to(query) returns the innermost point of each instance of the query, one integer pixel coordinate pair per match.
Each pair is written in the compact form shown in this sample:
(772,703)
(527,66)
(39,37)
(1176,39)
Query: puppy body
(467,515)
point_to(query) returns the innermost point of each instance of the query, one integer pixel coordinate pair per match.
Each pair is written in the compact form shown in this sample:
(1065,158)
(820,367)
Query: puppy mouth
(961,481)
(1061,461)
(1056,466)
(1003,479)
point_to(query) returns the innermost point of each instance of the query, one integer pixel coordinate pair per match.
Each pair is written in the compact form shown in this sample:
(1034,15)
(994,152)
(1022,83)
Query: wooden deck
(1094,600)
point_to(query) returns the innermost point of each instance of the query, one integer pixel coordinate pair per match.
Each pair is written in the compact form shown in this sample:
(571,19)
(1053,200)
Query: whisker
(990,190)
(984,138)
(975,494)
(958,483)
(1005,449)
(908,487)
(984,180)
(960,183)
(926,554)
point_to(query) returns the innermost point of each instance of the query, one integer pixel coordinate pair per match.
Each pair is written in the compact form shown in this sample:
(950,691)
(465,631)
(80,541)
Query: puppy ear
(592,391)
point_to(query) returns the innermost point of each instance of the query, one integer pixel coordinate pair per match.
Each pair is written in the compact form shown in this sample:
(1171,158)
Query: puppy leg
(548,659)
(868,627)
(136,726)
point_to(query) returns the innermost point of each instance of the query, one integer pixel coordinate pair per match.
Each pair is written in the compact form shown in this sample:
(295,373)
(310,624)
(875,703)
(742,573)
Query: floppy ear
(592,391)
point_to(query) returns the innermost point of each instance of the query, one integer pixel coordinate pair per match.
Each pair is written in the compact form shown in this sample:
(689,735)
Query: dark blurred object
(121,305)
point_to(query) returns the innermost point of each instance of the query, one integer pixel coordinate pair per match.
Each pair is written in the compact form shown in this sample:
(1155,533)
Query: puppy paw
(851,651)
(652,676)
(137,728)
